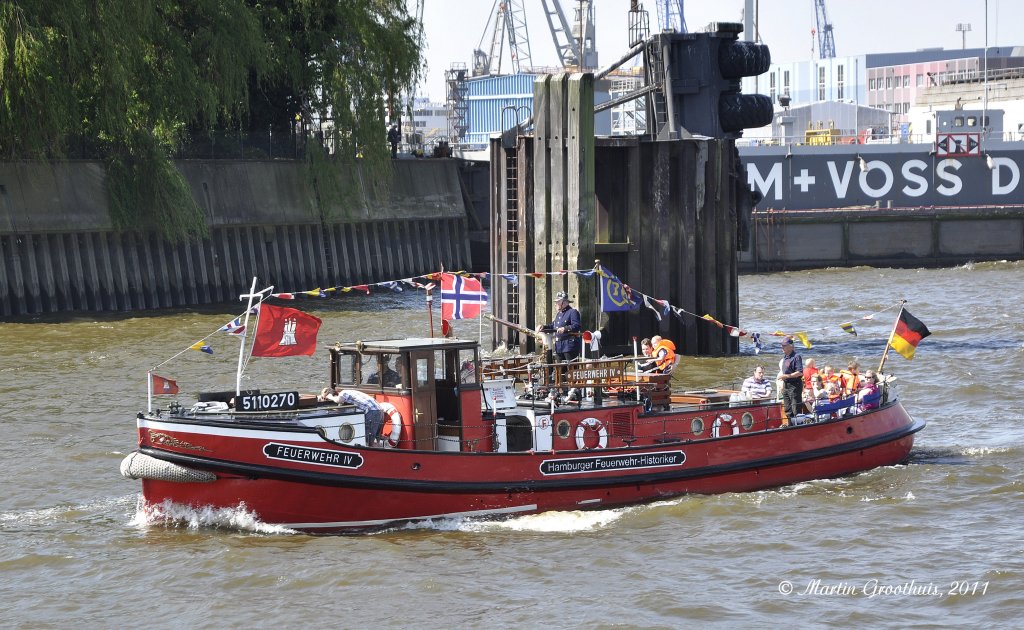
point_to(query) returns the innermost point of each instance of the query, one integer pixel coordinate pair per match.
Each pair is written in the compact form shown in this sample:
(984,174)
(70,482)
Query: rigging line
(168,360)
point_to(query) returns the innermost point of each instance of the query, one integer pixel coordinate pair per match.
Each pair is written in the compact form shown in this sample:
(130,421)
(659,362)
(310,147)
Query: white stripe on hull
(200,429)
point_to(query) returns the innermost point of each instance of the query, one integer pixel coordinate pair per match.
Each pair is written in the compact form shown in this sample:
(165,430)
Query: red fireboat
(466,437)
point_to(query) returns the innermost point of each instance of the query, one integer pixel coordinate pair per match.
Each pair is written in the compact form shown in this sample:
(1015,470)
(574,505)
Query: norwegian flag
(461,298)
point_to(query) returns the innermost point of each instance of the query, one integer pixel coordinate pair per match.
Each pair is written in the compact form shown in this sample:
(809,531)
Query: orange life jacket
(849,381)
(665,362)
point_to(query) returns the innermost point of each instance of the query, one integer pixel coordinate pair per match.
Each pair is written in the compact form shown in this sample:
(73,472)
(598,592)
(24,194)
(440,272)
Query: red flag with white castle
(285,332)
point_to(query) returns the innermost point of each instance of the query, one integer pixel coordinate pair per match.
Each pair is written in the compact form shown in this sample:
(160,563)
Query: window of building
(839,82)
(906,80)
(785,81)
(888,82)
(928,126)
(821,83)
(920,80)
(771,86)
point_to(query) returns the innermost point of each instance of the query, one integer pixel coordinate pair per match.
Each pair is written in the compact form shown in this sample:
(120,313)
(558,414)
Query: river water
(937,541)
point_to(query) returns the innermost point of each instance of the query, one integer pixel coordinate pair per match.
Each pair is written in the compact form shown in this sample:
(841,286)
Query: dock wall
(883,237)
(59,252)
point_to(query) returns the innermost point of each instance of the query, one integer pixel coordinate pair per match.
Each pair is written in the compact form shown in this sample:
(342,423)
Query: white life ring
(595,425)
(716,428)
(395,418)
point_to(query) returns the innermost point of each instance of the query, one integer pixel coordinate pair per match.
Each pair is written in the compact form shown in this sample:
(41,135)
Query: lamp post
(963,29)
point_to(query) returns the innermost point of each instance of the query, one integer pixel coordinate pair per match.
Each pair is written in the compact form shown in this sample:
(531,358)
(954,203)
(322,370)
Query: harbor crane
(826,43)
(507,22)
(670,16)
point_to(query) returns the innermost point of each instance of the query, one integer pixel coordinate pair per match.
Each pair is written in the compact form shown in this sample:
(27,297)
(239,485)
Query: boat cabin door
(424,397)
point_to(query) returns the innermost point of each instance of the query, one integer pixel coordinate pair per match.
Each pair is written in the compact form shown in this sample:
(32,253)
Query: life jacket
(849,381)
(670,354)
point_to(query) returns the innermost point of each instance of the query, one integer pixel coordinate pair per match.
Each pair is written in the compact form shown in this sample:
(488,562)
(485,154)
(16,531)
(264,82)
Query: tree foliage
(133,79)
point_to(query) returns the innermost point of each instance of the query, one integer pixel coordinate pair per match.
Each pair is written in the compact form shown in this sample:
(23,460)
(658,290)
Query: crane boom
(670,15)
(826,42)
(566,45)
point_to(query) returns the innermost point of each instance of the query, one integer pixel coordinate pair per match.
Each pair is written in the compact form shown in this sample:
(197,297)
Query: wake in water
(171,514)
(958,455)
(41,517)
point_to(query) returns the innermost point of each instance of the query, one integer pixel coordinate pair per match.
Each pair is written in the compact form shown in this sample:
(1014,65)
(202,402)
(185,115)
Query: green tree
(131,80)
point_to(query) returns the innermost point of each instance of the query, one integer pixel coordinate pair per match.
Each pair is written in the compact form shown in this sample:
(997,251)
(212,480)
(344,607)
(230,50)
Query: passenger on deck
(849,378)
(391,377)
(868,388)
(791,373)
(828,373)
(647,349)
(364,402)
(820,390)
(664,354)
(757,386)
(809,371)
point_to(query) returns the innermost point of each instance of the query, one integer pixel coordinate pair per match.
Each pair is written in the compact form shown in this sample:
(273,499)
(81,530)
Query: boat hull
(304,483)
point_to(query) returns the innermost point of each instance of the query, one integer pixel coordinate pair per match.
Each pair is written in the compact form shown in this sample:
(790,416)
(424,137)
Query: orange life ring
(591,424)
(716,428)
(394,425)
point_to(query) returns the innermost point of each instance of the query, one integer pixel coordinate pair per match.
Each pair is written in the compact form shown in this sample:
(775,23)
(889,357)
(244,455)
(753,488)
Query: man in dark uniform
(791,373)
(566,328)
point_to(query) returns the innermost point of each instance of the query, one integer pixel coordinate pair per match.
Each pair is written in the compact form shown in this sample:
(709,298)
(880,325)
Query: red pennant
(285,332)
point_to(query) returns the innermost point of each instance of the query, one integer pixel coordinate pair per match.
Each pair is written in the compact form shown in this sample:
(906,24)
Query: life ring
(393,424)
(716,428)
(595,425)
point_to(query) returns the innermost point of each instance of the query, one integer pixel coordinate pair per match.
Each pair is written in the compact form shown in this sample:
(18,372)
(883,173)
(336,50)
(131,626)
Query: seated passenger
(664,353)
(809,371)
(372,412)
(647,349)
(819,390)
(850,379)
(828,373)
(391,377)
(868,388)
(757,386)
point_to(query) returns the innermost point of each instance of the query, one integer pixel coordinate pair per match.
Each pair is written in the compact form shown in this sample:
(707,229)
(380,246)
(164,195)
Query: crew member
(566,326)
(372,412)
(791,373)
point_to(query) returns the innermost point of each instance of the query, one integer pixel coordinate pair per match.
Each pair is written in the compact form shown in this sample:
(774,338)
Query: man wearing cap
(791,373)
(568,345)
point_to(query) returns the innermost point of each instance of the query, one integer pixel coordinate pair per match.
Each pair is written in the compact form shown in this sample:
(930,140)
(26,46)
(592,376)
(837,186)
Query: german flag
(909,332)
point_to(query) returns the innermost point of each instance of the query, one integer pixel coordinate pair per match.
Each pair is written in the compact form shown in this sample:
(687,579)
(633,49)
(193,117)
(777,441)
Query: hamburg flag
(284,332)
(909,332)
(163,385)
(461,298)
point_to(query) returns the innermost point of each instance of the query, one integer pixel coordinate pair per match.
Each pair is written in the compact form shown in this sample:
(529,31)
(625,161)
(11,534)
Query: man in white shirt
(757,386)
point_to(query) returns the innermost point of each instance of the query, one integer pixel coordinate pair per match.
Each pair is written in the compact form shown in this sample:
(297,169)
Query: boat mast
(245,330)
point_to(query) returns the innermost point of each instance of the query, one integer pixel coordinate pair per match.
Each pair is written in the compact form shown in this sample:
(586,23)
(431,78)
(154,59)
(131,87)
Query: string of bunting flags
(463,297)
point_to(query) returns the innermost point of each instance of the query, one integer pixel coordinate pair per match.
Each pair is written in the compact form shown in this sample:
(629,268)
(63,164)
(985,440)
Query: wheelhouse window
(384,370)
(346,368)
(468,367)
